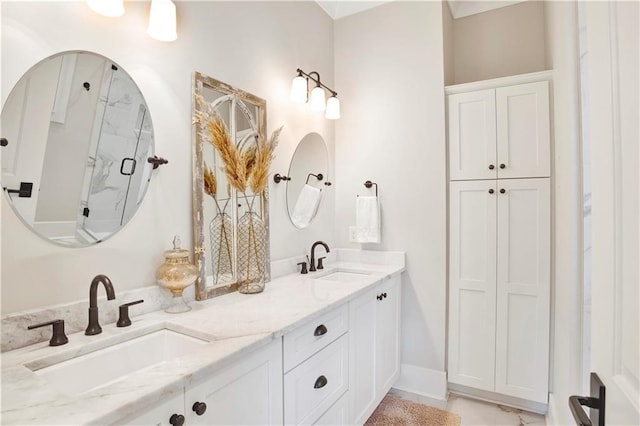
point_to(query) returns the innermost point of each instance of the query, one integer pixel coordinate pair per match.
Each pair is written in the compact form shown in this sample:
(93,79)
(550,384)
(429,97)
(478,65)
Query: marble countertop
(233,324)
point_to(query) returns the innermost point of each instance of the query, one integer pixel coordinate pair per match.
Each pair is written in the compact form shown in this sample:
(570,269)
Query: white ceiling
(459,8)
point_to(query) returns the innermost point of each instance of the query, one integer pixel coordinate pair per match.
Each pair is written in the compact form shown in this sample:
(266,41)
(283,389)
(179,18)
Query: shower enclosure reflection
(79,132)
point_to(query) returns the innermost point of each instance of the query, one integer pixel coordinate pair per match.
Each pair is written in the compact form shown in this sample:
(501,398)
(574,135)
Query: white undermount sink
(345,276)
(104,366)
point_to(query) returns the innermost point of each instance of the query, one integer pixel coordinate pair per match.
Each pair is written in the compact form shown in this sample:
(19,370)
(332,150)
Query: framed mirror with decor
(231,159)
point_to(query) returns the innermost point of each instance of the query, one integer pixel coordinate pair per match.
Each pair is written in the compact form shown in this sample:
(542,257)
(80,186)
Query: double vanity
(320,348)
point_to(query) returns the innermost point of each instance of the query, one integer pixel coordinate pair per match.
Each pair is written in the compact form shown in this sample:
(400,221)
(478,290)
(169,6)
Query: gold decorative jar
(176,274)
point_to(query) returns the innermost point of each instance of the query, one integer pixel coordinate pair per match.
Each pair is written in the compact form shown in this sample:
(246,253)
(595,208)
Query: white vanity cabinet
(316,366)
(248,391)
(500,132)
(374,347)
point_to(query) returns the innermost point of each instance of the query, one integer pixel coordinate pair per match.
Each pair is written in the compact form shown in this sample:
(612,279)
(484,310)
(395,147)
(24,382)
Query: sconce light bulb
(109,8)
(162,20)
(317,101)
(333,108)
(299,90)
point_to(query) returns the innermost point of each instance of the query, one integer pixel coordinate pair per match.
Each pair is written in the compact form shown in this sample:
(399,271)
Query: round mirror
(309,173)
(78,134)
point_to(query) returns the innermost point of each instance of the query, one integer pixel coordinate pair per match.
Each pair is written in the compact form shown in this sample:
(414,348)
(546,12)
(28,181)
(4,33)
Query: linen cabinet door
(388,334)
(523,134)
(247,392)
(362,362)
(523,283)
(472,135)
(472,283)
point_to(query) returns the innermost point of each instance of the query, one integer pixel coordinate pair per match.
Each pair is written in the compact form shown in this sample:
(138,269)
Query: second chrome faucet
(94,326)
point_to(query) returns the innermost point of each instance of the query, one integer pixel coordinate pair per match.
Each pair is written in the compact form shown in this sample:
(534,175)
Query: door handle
(596,402)
(133,166)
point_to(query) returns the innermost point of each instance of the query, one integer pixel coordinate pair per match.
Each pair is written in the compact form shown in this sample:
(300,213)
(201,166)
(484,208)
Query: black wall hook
(86,85)
(157,161)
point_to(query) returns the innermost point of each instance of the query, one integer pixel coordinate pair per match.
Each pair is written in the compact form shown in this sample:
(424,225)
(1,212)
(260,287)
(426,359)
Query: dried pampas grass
(210,183)
(264,156)
(251,166)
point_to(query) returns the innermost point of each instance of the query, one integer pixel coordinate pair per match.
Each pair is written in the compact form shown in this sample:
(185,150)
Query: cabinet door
(472,283)
(472,135)
(161,414)
(388,335)
(522,332)
(362,349)
(249,391)
(336,415)
(523,139)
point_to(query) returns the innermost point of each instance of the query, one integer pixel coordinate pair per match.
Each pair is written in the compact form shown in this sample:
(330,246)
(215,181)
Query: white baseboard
(552,417)
(422,381)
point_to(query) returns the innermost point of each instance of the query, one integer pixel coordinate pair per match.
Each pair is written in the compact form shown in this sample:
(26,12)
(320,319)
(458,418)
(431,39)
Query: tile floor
(475,412)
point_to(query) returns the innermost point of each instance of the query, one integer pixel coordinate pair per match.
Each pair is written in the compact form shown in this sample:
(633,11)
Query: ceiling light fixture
(317,102)
(110,8)
(162,20)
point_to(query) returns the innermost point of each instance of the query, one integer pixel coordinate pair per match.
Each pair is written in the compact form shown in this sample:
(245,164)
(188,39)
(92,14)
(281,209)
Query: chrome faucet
(312,261)
(94,326)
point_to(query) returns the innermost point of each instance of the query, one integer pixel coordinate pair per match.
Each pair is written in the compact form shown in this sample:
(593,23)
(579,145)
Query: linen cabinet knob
(199,408)
(491,167)
(491,191)
(502,165)
(502,190)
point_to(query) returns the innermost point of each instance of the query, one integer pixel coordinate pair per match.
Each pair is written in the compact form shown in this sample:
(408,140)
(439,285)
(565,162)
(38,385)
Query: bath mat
(394,411)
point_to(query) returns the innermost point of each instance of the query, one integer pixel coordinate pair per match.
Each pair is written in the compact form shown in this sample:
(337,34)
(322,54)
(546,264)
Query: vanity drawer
(316,384)
(336,415)
(310,338)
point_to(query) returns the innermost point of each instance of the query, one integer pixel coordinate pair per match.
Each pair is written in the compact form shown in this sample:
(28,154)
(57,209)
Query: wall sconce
(162,20)
(110,8)
(300,94)
(162,17)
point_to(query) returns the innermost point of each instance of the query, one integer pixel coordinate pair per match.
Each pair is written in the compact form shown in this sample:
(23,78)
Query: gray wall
(389,69)
(499,43)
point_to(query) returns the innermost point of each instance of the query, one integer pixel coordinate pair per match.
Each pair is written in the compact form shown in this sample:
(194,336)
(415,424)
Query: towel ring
(319,176)
(368,184)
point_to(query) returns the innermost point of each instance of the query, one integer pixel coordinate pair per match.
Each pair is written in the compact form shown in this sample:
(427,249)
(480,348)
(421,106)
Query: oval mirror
(78,134)
(308,171)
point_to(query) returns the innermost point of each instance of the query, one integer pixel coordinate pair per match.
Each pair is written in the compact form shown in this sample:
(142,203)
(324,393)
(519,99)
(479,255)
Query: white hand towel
(306,206)
(367,229)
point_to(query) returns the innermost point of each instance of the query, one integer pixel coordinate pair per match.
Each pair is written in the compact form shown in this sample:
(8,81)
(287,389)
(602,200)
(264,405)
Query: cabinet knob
(384,294)
(491,167)
(320,382)
(320,330)
(502,190)
(199,408)
(502,165)
(491,191)
(379,297)
(176,420)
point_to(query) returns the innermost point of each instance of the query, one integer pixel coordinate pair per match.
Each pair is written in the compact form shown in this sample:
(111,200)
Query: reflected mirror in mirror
(79,134)
(230,224)
(308,171)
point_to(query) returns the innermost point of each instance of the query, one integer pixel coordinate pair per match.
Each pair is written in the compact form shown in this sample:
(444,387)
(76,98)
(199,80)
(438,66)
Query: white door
(523,287)
(388,335)
(472,135)
(472,283)
(248,392)
(362,349)
(612,66)
(522,116)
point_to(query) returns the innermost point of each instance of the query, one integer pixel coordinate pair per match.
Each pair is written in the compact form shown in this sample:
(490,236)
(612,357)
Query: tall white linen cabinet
(500,239)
